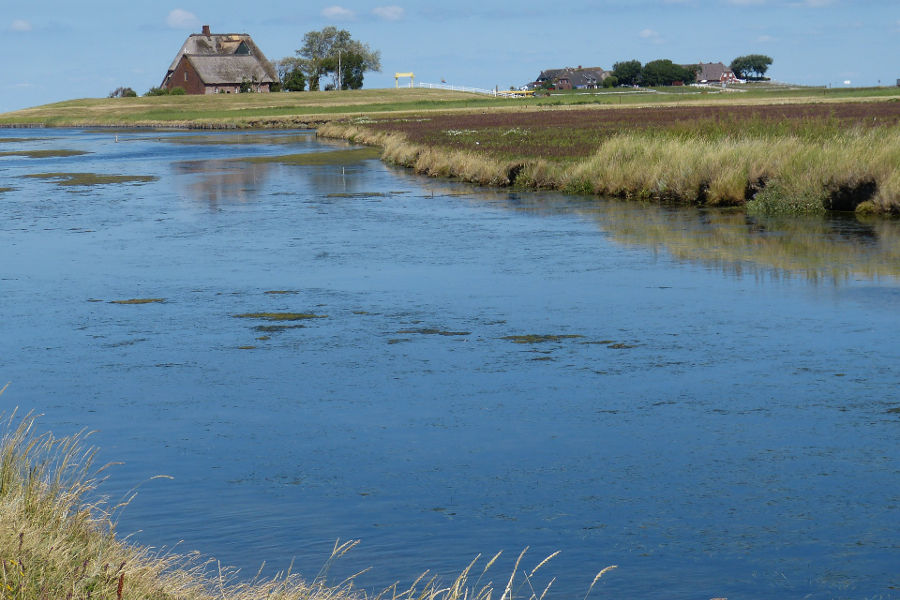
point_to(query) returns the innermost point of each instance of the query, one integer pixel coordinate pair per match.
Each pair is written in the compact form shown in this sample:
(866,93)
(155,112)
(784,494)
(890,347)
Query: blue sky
(63,49)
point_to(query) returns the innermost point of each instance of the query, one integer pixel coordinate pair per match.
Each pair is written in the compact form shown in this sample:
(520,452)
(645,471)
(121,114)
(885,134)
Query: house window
(185,75)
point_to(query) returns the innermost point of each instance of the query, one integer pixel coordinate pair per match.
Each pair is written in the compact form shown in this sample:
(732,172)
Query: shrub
(122,92)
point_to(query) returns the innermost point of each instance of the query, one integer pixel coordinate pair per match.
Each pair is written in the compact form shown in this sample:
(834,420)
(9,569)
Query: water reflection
(819,248)
(215,182)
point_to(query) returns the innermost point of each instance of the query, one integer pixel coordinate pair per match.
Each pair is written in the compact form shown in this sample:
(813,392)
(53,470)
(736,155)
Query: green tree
(320,48)
(665,72)
(290,73)
(352,67)
(627,72)
(744,66)
(611,81)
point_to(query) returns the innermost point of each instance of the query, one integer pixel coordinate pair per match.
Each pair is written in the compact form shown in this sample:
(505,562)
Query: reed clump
(58,541)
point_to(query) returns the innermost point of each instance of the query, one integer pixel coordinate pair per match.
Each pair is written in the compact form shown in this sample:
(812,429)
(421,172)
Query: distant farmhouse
(714,73)
(579,78)
(220,63)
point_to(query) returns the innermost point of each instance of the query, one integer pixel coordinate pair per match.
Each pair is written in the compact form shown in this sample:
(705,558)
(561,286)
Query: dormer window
(243,49)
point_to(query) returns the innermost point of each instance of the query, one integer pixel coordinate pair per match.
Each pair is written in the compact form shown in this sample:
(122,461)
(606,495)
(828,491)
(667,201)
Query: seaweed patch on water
(335,157)
(139,301)
(430,331)
(281,292)
(280,316)
(533,338)
(43,153)
(275,328)
(88,179)
(8,140)
(7,189)
(358,195)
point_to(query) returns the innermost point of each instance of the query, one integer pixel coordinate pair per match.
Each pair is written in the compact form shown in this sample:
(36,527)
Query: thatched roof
(713,72)
(236,47)
(217,70)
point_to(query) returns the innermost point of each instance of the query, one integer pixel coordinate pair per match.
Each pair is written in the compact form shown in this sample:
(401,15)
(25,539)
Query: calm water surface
(717,410)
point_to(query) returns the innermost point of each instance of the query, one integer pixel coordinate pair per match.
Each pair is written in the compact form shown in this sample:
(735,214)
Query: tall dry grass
(855,169)
(58,541)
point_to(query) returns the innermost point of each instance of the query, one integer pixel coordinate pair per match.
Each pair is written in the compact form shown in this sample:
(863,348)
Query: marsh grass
(775,166)
(90,179)
(43,153)
(58,541)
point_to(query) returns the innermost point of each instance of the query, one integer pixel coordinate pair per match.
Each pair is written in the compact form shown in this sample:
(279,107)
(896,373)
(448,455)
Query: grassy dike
(58,541)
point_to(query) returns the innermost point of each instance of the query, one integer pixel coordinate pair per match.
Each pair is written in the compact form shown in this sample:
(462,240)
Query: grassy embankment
(58,541)
(748,150)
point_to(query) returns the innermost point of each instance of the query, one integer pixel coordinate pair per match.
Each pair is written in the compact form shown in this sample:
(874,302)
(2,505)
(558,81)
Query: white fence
(458,88)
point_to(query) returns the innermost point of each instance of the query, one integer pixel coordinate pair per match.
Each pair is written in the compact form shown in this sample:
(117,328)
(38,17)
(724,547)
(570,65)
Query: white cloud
(338,12)
(390,13)
(765,38)
(182,19)
(651,35)
(20,25)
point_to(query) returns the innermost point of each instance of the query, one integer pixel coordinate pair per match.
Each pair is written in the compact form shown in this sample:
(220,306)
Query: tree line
(664,72)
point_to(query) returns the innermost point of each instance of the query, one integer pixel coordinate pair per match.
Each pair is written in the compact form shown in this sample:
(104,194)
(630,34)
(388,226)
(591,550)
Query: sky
(65,49)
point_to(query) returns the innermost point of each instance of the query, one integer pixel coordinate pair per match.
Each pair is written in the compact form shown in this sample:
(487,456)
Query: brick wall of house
(184,76)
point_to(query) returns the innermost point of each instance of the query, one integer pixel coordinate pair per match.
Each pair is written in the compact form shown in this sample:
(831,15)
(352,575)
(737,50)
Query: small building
(219,63)
(714,73)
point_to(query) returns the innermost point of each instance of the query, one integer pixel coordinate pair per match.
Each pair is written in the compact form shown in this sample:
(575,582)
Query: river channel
(334,348)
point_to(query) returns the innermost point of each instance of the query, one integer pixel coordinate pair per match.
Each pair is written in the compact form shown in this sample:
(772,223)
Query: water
(722,421)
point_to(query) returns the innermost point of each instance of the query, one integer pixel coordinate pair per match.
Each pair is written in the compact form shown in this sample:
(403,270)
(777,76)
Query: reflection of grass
(336,157)
(43,153)
(139,301)
(88,179)
(280,316)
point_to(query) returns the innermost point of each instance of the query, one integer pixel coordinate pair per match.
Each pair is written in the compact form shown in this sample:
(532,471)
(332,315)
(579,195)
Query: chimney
(206,30)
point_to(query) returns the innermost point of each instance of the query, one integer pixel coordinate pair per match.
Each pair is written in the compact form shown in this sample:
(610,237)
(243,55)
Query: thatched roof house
(569,78)
(714,73)
(219,63)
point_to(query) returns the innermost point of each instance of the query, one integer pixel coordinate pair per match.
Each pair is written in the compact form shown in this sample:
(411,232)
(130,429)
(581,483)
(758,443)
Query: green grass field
(295,109)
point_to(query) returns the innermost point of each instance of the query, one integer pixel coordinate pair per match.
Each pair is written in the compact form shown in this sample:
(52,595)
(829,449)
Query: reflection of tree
(222,181)
(819,248)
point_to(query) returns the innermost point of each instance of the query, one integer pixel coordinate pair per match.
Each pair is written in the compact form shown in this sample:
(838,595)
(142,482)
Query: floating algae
(277,316)
(276,328)
(533,338)
(6,189)
(43,153)
(336,157)
(139,301)
(428,331)
(86,179)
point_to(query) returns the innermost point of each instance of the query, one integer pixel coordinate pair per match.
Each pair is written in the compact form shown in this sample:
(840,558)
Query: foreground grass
(770,159)
(57,540)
